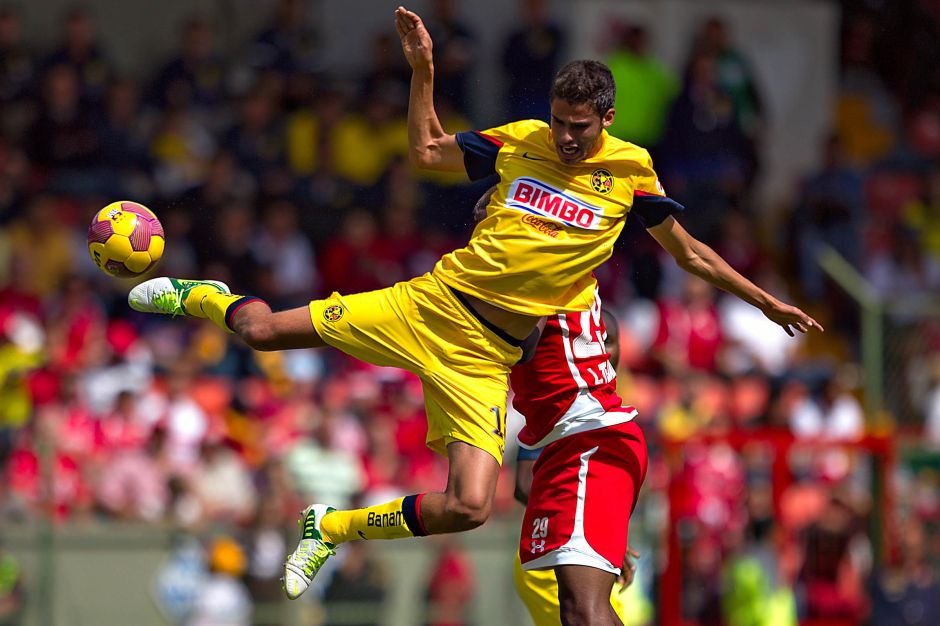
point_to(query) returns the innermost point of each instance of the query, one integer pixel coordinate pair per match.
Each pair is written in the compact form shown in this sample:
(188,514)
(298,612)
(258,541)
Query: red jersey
(569,386)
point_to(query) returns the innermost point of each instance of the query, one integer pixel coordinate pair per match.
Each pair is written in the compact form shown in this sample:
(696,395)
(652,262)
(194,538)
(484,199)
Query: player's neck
(598,146)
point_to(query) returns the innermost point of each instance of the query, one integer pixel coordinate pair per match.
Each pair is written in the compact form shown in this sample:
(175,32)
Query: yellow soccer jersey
(548,225)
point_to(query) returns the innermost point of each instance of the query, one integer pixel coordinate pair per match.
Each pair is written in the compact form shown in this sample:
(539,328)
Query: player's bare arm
(523,480)
(697,258)
(430,146)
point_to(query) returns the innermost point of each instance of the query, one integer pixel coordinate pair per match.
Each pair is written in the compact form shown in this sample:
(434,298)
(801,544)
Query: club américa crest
(333,313)
(602,181)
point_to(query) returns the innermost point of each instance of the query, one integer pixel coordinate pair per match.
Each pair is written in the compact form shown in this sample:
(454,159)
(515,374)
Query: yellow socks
(392,520)
(208,302)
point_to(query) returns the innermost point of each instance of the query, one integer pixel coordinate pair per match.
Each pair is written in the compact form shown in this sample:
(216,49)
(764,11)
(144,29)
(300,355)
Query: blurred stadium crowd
(286,182)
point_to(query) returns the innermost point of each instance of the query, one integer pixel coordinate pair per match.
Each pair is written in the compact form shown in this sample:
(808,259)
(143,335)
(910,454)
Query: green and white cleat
(311,553)
(165,295)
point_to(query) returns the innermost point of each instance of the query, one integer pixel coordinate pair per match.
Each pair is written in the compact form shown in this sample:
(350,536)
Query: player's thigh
(468,405)
(538,591)
(378,327)
(584,585)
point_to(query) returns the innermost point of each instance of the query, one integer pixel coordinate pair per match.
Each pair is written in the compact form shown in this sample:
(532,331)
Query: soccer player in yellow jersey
(565,191)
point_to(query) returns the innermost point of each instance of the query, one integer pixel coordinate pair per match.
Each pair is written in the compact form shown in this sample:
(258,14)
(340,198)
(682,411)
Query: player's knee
(583,611)
(469,512)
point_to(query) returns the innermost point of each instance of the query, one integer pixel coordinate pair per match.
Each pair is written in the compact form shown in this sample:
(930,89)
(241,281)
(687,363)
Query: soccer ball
(125,239)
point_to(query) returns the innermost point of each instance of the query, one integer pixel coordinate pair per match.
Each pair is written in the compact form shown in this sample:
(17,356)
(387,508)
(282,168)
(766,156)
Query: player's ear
(608,118)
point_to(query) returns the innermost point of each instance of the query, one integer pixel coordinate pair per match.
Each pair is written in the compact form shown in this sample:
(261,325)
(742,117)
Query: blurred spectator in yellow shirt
(923,216)
(40,247)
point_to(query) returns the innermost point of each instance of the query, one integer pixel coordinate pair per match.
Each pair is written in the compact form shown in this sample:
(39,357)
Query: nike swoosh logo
(362,535)
(532,157)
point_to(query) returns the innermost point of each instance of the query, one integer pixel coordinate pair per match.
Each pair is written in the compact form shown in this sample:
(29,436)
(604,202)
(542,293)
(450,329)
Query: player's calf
(266,331)
(247,316)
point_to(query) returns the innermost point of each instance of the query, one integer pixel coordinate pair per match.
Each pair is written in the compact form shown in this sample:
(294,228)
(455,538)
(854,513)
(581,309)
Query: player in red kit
(561,367)
(586,480)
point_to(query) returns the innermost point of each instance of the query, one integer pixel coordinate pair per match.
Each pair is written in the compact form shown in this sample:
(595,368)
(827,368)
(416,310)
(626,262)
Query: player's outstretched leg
(247,316)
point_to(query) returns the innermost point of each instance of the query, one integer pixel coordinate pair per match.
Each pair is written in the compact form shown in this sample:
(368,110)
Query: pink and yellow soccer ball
(125,239)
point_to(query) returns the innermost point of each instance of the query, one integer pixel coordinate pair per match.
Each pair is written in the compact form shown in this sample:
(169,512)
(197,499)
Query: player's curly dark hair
(585,81)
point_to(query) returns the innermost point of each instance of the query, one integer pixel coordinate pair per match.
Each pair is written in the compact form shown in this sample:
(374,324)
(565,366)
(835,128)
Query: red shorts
(584,488)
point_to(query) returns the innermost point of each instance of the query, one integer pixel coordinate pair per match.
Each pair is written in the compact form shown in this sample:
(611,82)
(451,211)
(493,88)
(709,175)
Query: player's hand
(790,318)
(628,569)
(415,40)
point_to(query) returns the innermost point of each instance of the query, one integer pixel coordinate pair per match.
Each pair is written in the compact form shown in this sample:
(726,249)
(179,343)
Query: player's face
(576,129)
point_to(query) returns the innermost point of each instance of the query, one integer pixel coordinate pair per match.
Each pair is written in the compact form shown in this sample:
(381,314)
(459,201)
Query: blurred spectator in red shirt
(832,572)
(451,586)
(68,492)
(121,430)
(401,235)
(382,464)
(739,243)
(350,263)
(344,428)
(689,335)
(77,325)
(405,412)
(133,482)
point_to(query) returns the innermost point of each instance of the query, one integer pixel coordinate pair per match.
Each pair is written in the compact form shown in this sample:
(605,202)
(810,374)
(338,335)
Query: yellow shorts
(420,326)
(538,590)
